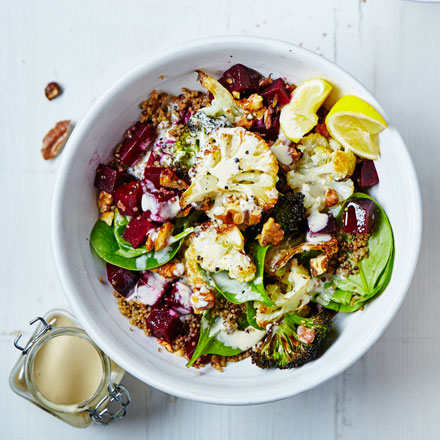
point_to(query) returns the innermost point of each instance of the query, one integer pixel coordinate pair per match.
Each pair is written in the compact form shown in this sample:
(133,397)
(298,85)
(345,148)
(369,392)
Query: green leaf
(251,314)
(204,338)
(215,346)
(375,271)
(380,248)
(208,344)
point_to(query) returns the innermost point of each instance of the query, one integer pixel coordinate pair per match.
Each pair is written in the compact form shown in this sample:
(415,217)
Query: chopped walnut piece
(272,233)
(202,299)
(268,118)
(319,265)
(52,90)
(170,270)
(149,244)
(163,236)
(265,81)
(105,201)
(107,217)
(331,197)
(55,139)
(169,179)
(306,335)
(294,153)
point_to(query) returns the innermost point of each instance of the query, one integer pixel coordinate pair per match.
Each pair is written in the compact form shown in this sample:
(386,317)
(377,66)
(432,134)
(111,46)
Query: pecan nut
(272,233)
(107,217)
(105,201)
(331,197)
(52,90)
(169,179)
(170,270)
(55,139)
(163,235)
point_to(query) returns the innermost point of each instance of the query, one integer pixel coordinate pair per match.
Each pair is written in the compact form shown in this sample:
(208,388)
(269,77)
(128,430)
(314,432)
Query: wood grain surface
(392,46)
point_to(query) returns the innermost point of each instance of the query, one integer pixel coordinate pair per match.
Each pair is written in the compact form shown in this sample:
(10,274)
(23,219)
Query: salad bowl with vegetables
(258,216)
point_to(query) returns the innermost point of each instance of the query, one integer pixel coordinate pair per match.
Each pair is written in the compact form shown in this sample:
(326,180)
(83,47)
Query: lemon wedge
(355,124)
(298,117)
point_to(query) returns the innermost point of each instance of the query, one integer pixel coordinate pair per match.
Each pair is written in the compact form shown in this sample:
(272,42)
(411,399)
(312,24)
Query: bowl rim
(68,282)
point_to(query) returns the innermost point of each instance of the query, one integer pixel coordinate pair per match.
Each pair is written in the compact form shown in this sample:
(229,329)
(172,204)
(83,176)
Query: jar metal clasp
(46,327)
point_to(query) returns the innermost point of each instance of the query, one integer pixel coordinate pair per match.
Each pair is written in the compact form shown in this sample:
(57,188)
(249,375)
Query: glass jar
(64,372)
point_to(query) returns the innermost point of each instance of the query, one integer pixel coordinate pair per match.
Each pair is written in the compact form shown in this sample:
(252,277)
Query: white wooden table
(392,46)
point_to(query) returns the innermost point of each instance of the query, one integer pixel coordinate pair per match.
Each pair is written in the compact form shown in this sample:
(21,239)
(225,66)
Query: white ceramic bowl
(75,212)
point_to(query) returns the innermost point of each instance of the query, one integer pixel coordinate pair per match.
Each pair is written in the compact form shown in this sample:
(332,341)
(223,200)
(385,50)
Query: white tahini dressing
(317,238)
(317,221)
(241,339)
(138,168)
(67,370)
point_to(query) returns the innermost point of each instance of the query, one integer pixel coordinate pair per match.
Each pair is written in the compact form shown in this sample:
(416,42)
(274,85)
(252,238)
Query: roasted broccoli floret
(290,213)
(293,341)
(184,153)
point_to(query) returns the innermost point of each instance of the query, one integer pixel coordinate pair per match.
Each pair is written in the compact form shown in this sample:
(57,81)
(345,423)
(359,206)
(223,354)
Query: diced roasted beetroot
(268,133)
(359,216)
(139,138)
(108,178)
(179,298)
(240,78)
(105,178)
(160,206)
(164,323)
(277,89)
(128,198)
(122,280)
(331,227)
(151,177)
(150,288)
(365,174)
(136,231)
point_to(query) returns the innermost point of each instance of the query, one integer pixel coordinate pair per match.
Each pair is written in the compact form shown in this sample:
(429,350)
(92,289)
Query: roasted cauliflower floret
(234,177)
(290,294)
(220,247)
(223,103)
(324,166)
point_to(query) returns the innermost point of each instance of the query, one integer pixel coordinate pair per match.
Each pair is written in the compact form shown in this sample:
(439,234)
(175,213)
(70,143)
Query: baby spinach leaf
(259,253)
(204,338)
(354,291)
(208,344)
(251,314)
(217,347)
(380,248)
